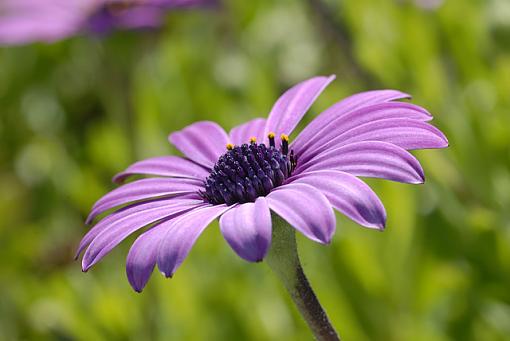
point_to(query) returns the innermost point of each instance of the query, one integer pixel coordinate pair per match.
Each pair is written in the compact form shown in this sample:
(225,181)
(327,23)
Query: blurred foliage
(73,114)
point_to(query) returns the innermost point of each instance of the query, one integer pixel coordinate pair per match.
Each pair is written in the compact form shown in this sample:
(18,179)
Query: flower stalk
(283,259)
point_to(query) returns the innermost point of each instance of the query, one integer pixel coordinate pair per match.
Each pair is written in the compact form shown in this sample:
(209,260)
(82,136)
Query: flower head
(26,21)
(242,176)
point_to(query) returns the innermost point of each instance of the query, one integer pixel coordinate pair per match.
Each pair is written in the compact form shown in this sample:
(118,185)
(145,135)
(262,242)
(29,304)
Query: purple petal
(360,116)
(144,189)
(372,159)
(349,195)
(126,211)
(26,21)
(141,258)
(25,31)
(109,233)
(242,133)
(143,254)
(365,98)
(293,104)
(247,228)
(202,142)
(172,166)
(181,234)
(345,106)
(306,209)
(405,133)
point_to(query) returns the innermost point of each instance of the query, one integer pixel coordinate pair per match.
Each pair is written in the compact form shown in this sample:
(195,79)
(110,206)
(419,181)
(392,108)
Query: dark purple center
(246,172)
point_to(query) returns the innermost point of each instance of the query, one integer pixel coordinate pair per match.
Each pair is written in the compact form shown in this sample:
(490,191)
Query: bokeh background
(74,113)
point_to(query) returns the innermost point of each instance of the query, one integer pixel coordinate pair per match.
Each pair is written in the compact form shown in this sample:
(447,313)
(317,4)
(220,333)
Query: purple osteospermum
(233,177)
(26,21)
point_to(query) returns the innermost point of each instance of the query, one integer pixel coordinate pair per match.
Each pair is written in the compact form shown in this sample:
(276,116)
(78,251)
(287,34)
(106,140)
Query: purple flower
(240,181)
(27,21)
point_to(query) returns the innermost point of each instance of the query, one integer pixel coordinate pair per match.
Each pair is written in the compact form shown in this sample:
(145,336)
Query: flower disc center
(248,171)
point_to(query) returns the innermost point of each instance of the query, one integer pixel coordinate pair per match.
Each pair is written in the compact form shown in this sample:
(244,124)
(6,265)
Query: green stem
(283,259)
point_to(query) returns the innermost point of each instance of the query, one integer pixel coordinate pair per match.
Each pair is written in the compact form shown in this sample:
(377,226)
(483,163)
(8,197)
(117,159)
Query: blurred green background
(72,114)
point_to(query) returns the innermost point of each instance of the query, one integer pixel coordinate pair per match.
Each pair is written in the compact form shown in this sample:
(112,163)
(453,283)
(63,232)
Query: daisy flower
(27,21)
(244,176)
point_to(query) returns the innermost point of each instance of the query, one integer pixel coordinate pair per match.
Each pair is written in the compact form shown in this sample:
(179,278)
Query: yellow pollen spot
(270,135)
(253,139)
(284,137)
(230,146)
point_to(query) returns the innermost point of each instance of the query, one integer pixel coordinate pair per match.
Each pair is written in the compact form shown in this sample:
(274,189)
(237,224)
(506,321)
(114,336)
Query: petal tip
(405,95)
(252,258)
(260,257)
(444,140)
(330,239)
(378,224)
(381,224)
(137,283)
(86,264)
(118,179)
(137,287)
(172,137)
(420,176)
(426,112)
(326,240)
(167,274)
